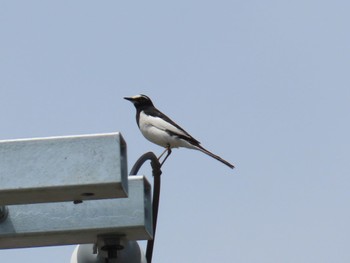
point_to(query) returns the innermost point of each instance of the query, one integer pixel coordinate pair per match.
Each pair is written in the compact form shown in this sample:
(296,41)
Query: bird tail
(202,149)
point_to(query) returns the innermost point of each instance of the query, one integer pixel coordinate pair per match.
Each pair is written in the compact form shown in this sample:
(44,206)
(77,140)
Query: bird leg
(160,156)
(167,149)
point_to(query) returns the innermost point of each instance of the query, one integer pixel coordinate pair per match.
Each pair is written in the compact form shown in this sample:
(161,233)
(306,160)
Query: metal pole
(156,171)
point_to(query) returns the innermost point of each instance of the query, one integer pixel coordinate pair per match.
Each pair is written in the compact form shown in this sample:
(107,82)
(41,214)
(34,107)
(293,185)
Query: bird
(161,130)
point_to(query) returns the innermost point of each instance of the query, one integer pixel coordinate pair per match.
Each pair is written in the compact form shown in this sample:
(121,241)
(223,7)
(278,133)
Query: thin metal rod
(156,172)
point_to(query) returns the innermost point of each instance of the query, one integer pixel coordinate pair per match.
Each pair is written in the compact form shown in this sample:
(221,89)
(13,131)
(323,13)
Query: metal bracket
(66,168)
(65,223)
(108,245)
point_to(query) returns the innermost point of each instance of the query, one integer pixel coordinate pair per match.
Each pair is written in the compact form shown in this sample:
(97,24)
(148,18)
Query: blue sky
(264,84)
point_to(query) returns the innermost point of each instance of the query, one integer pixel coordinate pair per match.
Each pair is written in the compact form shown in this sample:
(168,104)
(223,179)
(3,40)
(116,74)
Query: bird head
(140,101)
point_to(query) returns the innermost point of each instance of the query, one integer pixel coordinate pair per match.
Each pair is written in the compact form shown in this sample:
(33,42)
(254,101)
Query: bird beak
(129,99)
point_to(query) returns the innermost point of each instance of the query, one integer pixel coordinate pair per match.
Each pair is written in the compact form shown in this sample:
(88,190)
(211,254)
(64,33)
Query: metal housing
(67,168)
(66,223)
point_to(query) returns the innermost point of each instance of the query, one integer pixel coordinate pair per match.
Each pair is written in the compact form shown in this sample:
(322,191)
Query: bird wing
(163,122)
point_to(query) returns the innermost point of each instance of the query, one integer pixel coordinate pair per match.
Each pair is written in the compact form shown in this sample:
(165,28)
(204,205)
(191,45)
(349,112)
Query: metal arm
(156,172)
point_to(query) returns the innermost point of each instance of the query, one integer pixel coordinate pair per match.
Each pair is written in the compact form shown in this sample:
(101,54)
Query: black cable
(3,213)
(156,172)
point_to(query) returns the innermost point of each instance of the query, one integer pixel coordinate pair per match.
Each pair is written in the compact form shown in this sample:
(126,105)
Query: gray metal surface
(66,223)
(63,169)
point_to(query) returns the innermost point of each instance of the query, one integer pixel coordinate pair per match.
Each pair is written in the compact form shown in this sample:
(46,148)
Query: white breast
(153,128)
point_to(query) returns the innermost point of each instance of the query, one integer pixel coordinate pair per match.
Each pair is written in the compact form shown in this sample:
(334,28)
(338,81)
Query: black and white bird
(161,130)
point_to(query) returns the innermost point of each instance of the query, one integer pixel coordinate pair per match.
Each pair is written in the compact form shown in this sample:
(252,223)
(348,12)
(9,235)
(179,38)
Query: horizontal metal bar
(67,168)
(65,223)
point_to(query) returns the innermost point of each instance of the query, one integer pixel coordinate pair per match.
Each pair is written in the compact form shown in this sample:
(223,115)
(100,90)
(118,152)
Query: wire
(156,172)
